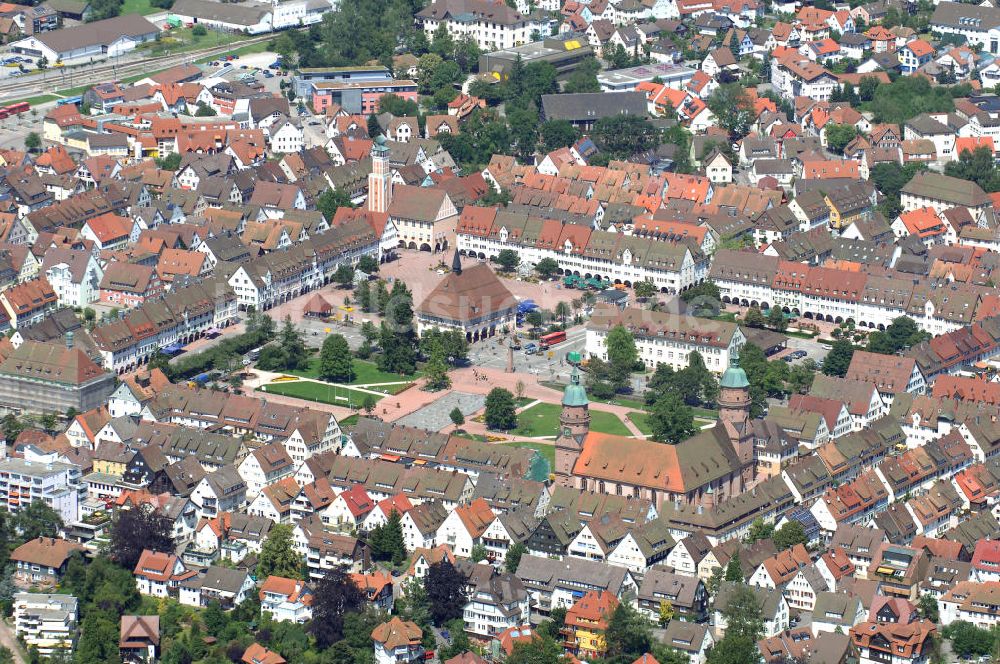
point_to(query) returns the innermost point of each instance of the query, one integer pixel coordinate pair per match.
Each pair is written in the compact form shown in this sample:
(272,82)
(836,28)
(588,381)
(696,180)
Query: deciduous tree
(733,108)
(622,356)
(546,267)
(278,556)
(142,527)
(789,535)
(445,592)
(500,413)
(839,135)
(838,359)
(513,557)
(334,596)
(508,259)
(671,421)
(335,361)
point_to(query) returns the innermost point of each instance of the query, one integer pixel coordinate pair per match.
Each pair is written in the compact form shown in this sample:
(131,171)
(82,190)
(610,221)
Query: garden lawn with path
(641,422)
(320,392)
(542,420)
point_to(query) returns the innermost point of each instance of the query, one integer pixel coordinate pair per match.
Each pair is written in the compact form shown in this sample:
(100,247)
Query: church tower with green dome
(734,410)
(574,423)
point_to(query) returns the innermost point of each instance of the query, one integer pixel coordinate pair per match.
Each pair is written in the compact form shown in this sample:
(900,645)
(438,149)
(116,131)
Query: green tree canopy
(978,166)
(789,535)
(557,134)
(838,359)
(386,540)
(629,634)
(500,413)
(546,267)
(742,611)
(513,557)
(622,356)
(445,588)
(278,556)
(839,135)
(902,333)
(733,108)
(908,97)
(331,200)
(621,136)
(508,259)
(37,520)
(671,421)
(336,364)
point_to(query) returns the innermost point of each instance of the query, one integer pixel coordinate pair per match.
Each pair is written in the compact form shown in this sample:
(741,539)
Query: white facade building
(46,622)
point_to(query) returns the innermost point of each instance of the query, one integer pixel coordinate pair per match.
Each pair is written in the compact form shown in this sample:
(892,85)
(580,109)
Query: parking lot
(813,349)
(251,67)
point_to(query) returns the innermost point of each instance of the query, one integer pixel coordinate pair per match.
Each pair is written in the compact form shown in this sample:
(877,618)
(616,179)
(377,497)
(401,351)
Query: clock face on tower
(566,431)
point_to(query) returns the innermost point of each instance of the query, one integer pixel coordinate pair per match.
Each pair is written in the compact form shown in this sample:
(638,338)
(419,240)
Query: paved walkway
(436,415)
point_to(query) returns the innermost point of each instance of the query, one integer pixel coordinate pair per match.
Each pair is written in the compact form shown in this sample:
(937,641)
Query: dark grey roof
(592,106)
(549,574)
(965,16)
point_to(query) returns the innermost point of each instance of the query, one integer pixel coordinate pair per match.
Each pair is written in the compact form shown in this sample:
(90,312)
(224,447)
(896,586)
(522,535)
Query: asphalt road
(546,365)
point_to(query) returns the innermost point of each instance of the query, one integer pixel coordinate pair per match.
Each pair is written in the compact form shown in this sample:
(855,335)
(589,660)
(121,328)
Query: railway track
(53,79)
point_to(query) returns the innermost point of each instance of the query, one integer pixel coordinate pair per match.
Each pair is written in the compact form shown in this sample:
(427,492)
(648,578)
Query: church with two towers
(707,468)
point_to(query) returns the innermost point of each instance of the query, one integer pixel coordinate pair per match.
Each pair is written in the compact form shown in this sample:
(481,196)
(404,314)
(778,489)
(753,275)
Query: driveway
(8,640)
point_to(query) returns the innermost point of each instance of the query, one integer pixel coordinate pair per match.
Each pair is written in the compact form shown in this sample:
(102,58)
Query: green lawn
(620,400)
(641,422)
(180,40)
(73,92)
(705,413)
(349,421)
(258,47)
(332,394)
(366,373)
(540,420)
(548,452)
(138,7)
(34,101)
(523,401)
(543,420)
(604,422)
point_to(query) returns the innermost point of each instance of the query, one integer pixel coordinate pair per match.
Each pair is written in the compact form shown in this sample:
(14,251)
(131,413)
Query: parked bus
(70,100)
(17,109)
(551,339)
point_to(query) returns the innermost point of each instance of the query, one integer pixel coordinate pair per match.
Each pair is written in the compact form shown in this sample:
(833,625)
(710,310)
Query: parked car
(531,349)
